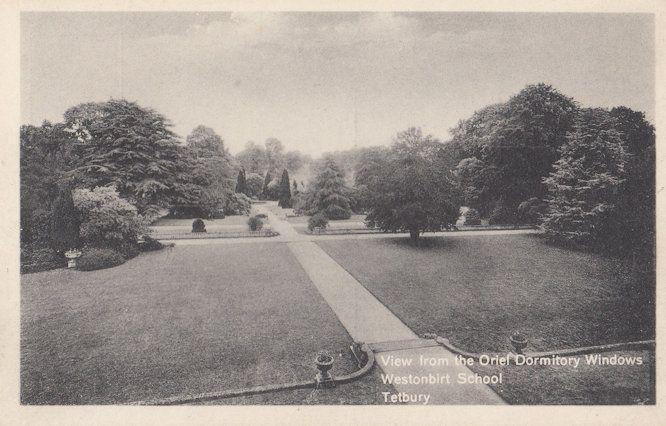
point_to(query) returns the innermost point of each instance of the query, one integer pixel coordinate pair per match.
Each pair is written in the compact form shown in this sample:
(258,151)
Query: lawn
(477,290)
(185,320)
(586,384)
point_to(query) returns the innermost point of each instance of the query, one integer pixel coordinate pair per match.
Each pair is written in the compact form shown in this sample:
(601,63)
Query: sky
(328,81)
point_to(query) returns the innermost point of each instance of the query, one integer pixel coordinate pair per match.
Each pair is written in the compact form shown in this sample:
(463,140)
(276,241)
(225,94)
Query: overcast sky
(326,81)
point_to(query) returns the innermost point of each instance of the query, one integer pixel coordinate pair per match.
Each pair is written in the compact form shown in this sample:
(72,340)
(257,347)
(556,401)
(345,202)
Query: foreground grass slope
(184,320)
(478,290)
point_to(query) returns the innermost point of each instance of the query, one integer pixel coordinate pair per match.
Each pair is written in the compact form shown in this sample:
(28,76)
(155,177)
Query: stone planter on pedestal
(519,342)
(324,362)
(71,256)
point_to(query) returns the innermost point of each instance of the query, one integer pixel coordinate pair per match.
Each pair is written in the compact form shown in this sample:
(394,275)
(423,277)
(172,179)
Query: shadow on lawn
(425,243)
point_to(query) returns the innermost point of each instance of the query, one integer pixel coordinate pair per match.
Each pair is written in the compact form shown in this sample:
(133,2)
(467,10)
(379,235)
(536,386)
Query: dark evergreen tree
(132,148)
(65,222)
(241,185)
(585,185)
(328,194)
(46,157)
(284,191)
(639,198)
(264,189)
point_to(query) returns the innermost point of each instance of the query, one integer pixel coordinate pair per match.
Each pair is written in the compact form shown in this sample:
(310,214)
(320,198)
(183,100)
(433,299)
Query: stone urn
(71,256)
(518,341)
(324,362)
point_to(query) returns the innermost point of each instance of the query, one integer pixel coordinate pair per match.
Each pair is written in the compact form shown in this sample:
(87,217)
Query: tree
(638,233)
(366,170)
(327,194)
(508,149)
(284,191)
(265,189)
(46,157)
(531,211)
(294,160)
(412,191)
(254,184)
(585,185)
(274,154)
(252,158)
(208,187)
(64,229)
(206,143)
(294,187)
(132,148)
(241,185)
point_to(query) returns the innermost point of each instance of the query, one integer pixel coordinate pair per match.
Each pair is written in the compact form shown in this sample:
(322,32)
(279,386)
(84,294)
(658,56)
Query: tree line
(134,167)
(586,176)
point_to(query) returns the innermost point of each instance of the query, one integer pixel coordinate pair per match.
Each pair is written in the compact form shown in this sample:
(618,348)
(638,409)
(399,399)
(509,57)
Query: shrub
(335,211)
(530,211)
(300,203)
(198,225)
(99,258)
(501,215)
(317,221)
(472,217)
(255,223)
(41,259)
(150,244)
(237,204)
(262,215)
(106,219)
(129,250)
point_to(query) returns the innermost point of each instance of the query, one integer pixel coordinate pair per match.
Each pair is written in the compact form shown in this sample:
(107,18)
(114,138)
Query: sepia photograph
(334,208)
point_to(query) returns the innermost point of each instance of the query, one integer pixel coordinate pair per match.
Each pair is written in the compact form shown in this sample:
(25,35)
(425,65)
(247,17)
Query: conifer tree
(284,191)
(267,181)
(241,186)
(64,228)
(329,195)
(585,185)
(130,147)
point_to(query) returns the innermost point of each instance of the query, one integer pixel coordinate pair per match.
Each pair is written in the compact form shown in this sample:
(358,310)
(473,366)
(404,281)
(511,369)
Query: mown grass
(586,384)
(184,320)
(477,290)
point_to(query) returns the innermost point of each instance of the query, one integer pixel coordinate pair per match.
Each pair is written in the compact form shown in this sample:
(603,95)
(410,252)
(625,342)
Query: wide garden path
(368,320)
